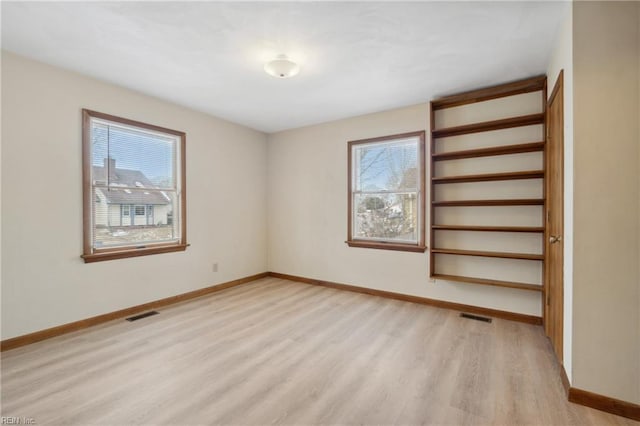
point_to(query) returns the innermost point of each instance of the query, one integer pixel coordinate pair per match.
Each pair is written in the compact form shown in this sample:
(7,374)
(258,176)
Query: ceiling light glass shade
(282,67)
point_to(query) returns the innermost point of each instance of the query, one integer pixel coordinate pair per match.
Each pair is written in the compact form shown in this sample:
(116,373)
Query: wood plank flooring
(281,352)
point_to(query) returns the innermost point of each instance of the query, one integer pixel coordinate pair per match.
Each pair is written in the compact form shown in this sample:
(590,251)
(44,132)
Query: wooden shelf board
(489,203)
(529,174)
(489,152)
(533,84)
(485,281)
(502,255)
(532,229)
(485,126)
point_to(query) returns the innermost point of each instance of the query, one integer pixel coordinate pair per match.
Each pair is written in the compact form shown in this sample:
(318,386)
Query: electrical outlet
(215,267)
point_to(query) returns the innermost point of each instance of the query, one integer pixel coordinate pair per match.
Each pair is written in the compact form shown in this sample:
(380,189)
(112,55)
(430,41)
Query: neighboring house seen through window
(134,188)
(386,192)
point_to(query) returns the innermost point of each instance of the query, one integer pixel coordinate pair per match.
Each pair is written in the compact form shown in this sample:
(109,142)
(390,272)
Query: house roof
(146,194)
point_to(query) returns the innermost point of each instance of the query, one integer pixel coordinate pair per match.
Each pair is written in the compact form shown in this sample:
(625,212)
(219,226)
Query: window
(137,171)
(386,192)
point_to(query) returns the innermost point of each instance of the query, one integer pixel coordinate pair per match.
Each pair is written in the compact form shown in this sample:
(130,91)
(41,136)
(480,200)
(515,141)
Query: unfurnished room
(320,213)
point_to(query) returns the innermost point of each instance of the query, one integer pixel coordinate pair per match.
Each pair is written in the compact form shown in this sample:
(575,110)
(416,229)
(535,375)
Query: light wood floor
(280,352)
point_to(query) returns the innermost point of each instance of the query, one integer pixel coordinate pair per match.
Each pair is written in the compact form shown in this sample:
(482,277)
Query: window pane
(133,157)
(389,166)
(134,217)
(134,189)
(389,217)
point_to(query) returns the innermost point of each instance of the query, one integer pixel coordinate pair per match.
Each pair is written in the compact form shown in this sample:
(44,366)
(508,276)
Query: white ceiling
(356,58)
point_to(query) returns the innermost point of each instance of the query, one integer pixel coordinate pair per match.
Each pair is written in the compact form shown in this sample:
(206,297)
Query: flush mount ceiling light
(281,67)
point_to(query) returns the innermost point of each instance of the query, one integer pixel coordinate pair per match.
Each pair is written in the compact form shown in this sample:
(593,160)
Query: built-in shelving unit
(507,123)
(503,255)
(534,229)
(490,152)
(529,174)
(440,155)
(499,283)
(488,203)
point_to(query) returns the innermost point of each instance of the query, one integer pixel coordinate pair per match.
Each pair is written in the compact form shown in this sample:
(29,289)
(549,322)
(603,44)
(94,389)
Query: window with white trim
(387,192)
(134,188)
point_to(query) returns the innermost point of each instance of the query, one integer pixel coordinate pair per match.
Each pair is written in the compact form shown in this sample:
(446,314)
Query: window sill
(387,246)
(122,254)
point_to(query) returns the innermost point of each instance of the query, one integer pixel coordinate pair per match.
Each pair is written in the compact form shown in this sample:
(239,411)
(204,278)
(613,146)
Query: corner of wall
(606,58)
(226,199)
(562,59)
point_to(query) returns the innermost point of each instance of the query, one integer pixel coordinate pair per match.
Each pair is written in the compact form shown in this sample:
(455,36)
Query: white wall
(1,183)
(562,59)
(44,281)
(606,280)
(307,217)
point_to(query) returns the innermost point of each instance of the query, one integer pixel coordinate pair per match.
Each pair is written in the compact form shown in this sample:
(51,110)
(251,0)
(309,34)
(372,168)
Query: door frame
(558,325)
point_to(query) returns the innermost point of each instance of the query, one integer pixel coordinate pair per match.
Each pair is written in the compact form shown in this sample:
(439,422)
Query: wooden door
(554,286)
